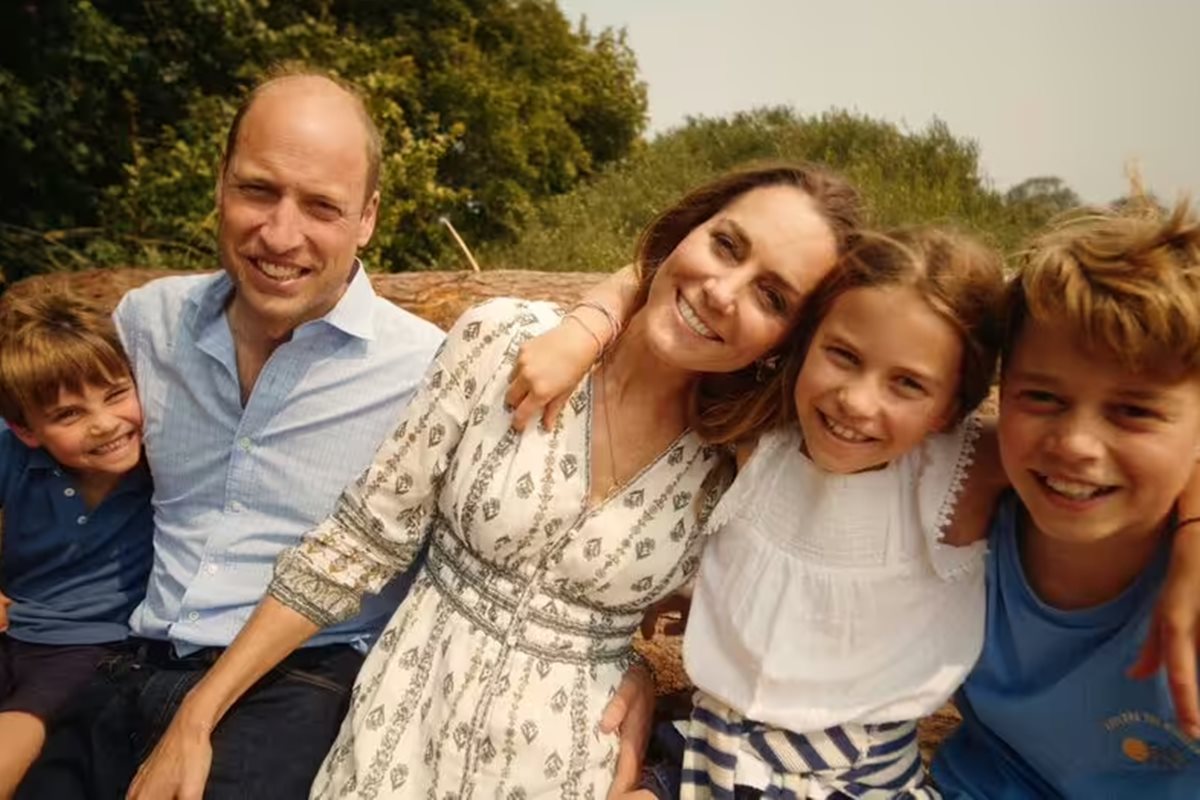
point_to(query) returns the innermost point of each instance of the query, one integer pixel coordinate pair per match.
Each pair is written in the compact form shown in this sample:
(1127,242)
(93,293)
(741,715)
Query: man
(266,389)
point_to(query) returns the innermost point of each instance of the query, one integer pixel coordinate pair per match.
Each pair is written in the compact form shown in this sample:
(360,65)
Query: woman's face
(733,288)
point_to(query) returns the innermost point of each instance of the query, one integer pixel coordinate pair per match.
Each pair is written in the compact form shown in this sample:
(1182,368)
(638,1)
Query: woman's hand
(630,713)
(179,766)
(551,365)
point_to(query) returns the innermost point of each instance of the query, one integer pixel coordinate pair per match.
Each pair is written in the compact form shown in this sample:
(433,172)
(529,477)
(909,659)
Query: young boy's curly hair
(50,341)
(1125,279)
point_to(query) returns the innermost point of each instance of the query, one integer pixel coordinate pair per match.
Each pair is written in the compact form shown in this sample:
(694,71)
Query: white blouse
(827,599)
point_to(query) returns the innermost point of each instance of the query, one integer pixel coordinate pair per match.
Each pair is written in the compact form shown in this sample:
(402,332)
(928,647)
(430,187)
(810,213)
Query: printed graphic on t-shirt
(1149,741)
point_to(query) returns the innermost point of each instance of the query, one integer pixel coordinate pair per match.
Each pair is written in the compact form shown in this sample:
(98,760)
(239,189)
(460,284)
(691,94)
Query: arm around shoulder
(984,482)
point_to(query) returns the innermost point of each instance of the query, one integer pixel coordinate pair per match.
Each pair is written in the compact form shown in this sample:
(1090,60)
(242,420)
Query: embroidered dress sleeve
(941,471)
(380,521)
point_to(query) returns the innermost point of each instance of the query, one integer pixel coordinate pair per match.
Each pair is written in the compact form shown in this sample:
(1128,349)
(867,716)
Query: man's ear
(366,224)
(24,435)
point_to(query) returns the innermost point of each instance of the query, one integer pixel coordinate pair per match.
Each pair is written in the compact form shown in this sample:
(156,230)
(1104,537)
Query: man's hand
(5,602)
(178,768)
(631,714)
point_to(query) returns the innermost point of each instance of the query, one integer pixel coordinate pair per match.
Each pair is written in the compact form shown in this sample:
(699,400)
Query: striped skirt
(866,762)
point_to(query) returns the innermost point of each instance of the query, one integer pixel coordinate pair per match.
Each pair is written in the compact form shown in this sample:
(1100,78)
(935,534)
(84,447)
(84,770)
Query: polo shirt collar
(137,479)
(40,459)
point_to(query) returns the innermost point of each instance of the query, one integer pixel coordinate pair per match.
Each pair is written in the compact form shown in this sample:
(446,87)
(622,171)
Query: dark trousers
(269,746)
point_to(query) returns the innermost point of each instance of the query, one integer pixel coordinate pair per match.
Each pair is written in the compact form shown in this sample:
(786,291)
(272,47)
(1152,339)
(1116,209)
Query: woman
(546,547)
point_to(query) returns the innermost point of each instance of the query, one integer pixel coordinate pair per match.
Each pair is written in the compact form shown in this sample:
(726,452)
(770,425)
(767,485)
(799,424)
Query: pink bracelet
(613,325)
(586,327)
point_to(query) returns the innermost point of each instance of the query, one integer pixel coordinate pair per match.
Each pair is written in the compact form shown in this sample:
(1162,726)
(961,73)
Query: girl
(835,636)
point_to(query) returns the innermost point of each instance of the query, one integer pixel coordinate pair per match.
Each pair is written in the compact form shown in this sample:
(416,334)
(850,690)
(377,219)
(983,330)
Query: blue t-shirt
(1048,710)
(74,575)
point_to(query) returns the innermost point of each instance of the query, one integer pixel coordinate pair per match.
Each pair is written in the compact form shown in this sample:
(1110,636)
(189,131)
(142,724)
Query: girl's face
(733,288)
(882,372)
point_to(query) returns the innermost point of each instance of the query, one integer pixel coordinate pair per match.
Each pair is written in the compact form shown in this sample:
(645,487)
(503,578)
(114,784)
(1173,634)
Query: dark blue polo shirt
(74,576)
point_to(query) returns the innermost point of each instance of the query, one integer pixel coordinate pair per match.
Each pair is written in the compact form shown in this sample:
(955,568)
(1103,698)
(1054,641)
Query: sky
(1071,88)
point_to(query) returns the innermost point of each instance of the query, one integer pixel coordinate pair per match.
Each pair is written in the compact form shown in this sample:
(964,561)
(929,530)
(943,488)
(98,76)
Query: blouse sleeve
(940,473)
(381,520)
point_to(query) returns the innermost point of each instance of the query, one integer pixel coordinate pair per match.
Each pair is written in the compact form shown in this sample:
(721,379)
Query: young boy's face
(1093,449)
(98,430)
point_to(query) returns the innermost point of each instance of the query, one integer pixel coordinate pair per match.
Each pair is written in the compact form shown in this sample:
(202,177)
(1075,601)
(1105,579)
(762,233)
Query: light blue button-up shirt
(235,486)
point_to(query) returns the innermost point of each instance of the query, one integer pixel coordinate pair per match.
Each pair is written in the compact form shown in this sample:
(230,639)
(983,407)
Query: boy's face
(98,430)
(1093,449)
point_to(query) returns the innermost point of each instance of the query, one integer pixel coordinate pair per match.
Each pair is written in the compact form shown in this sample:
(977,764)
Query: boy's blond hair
(1125,279)
(50,341)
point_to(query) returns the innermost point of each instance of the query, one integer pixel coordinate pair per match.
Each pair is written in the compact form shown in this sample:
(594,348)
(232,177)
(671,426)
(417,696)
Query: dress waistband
(519,610)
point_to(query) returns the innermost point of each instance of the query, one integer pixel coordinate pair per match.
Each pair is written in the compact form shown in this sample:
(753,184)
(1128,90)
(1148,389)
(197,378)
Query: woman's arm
(375,532)
(180,763)
(550,366)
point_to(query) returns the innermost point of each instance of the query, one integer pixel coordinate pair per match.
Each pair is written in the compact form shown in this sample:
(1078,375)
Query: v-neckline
(590,508)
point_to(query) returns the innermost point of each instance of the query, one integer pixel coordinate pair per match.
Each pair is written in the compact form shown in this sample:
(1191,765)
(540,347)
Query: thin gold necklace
(608,430)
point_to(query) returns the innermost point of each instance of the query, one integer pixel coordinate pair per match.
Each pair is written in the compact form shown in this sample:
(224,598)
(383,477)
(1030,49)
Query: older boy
(1099,431)
(76,498)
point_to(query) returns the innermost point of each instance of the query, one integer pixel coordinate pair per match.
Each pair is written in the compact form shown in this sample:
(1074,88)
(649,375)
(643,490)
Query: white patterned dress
(490,679)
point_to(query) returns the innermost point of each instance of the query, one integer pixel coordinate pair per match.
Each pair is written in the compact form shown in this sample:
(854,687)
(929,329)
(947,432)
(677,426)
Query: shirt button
(211,569)
(193,616)
(245,443)
(236,507)
(69,491)
(81,520)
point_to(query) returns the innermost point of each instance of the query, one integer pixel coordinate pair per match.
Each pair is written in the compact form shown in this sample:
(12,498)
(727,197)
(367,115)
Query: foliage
(923,176)
(112,114)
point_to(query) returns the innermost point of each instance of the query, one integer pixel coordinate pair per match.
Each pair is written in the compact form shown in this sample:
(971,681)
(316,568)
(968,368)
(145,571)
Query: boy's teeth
(1073,489)
(842,432)
(694,322)
(279,272)
(115,444)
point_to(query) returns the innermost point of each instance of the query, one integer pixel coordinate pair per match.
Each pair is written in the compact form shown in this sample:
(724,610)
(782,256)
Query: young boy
(77,526)
(1099,431)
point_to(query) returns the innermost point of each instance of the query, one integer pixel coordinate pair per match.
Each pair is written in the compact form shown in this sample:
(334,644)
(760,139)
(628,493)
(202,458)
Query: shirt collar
(354,313)
(40,459)
(137,479)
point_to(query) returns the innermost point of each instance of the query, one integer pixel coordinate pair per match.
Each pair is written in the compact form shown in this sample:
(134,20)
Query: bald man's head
(292,79)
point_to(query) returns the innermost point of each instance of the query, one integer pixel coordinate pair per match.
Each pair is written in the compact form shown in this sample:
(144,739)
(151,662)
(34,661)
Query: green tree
(927,175)
(112,114)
